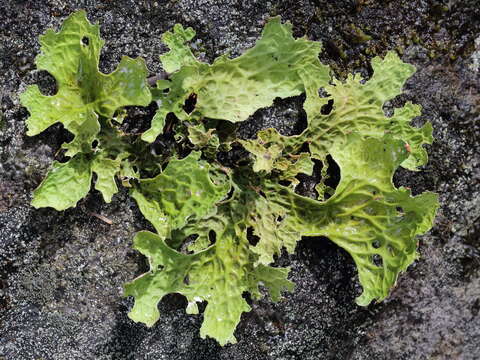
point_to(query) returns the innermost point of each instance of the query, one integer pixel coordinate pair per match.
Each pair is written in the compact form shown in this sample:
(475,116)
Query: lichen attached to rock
(207,213)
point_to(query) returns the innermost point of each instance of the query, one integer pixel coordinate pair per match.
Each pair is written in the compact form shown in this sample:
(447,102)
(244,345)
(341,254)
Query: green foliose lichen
(202,208)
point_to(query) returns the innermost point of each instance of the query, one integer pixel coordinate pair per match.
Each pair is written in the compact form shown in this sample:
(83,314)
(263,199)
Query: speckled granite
(61,274)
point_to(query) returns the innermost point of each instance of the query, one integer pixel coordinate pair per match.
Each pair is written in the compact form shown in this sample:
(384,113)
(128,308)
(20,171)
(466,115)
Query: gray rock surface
(61,273)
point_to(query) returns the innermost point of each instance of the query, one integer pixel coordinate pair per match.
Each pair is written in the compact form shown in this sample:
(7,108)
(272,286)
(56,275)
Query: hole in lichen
(186,280)
(376,244)
(399,209)
(330,181)
(377,260)
(251,237)
(236,157)
(327,108)
(284,182)
(230,194)
(212,236)
(190,103)
(94,144)
(138,118)
(181,243)
(333,173)
(85,41)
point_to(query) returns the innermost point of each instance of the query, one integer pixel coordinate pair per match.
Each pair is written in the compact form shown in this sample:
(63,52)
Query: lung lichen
(197,197)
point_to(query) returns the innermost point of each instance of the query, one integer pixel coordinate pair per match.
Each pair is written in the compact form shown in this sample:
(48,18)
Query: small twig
(101,217)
